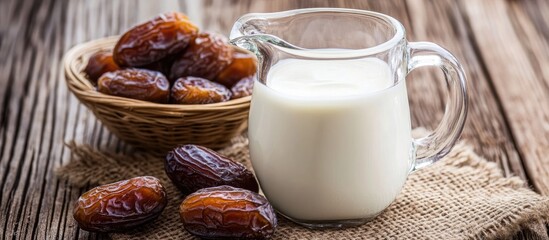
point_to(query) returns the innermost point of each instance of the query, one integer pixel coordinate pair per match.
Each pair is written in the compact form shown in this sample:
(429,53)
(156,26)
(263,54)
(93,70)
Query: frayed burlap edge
(529,219)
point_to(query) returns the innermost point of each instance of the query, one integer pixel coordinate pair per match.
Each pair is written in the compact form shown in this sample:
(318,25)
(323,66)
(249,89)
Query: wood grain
(517,78)
(504,46)
(486,128)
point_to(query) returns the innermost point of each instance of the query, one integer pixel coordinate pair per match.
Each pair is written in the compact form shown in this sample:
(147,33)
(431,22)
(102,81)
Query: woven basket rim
(79,84)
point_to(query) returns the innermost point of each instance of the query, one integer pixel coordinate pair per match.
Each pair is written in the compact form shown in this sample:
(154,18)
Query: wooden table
(503,45)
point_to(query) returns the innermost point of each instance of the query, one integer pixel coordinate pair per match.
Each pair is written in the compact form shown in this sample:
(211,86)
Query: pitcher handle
(437,144)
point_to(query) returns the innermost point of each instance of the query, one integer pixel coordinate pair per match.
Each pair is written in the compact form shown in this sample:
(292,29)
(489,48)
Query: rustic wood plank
(520,87)
(531,23)
(21,120)
(486,129)
(34,122)
(441,22)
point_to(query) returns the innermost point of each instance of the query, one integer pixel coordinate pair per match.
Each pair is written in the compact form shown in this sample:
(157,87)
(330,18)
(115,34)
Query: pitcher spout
(245,42)
(255,30)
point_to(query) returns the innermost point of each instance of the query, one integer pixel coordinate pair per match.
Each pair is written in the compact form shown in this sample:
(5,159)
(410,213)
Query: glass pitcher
(329,125)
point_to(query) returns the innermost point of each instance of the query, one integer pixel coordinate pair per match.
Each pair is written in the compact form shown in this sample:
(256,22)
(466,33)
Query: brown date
(192,167)
(135,83)
(195,90)
(243,88)
(163,66)
(228,212)
(99,63)
(167,34)
(242,65)
(206,56)
(121,205)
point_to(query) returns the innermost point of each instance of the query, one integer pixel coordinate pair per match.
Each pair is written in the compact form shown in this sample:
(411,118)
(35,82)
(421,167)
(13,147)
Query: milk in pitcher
(333,131)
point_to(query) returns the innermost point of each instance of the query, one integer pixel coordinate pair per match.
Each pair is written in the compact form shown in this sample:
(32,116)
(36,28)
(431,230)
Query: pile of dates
(168,60)
(222,199)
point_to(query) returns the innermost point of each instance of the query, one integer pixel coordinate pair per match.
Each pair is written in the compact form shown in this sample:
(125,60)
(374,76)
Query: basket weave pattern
(153,126)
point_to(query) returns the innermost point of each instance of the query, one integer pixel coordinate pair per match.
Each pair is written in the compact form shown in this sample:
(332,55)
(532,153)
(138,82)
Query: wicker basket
(154,126)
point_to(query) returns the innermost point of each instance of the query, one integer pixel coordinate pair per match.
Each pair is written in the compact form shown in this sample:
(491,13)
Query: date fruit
(99,63)
(166,34)
(195,90)
(228,212)
(135,83)
(163,66)
(206,56)
(121,205)
(243,65)
(192,167)
(243,88)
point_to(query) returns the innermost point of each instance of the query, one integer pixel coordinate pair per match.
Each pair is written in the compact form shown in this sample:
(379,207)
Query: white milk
(330,140)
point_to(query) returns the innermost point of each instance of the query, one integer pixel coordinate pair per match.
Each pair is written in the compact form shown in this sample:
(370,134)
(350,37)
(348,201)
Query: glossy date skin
(163,66)
(206,56)
(228,212)
(243,88)
(192,167)
(195,90)
(242,65)
(136,83)
(121,205)
(167,34)
(99,63)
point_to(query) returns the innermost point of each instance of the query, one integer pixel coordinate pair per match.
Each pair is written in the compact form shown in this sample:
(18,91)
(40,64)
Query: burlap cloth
(461,197)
